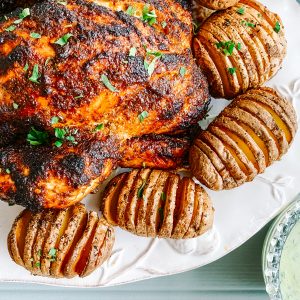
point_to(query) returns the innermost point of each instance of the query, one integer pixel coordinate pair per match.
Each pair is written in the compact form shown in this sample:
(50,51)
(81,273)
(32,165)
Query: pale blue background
(236,276)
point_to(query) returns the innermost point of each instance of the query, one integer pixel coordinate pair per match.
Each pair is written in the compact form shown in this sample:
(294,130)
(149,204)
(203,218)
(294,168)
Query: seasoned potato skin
(255,130)
(217,4)
(65,243)
(240,48)
(155,203)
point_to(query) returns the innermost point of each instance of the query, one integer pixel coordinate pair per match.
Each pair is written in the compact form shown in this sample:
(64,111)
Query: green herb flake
(107,83)
(7,171)
(248,24)
(79,96)
(131,10)
(60,133)
(15,105)
(148,16)
(24,13)
(150,67)
(11,28)
(58,143)
(35,35)
(239,46)
(54,120)
(226,47)
(99,127)
(38,264)
(141,190)
(241,10)
(277,27)
(63,40)
(26,67)
(39,253)
(52,254)
(232,70)
(36,137)
(182,71)
(164,24)
(163,196)
(142,116)
(132,52)
(35,74)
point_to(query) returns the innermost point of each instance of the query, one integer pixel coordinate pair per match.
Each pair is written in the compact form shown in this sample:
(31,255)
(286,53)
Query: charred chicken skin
(89,86)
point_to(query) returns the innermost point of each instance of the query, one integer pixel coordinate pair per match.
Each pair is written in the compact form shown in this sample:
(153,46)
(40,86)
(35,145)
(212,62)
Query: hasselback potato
(255,130)
(200,13)
(217,4)
(240,48)
(156,203)
(60,243)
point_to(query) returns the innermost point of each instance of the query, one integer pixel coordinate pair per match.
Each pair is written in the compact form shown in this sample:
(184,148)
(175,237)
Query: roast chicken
(90,85)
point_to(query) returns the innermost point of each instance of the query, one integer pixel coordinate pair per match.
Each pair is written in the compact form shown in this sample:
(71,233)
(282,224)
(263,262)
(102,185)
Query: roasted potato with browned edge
(155,203)
(200,13)
(217,4)
(255,130)
(240,48)
(60,243)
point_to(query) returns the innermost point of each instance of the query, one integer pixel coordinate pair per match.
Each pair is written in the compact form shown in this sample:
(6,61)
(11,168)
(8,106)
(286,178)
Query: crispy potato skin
(73,243)
(255,130)
(217,4)
(255,49)
(155,203)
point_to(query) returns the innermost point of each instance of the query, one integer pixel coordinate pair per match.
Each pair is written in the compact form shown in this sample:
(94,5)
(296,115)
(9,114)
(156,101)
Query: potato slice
(250,134)
(141,227)
(167,205)
(30,237)
(64,243)
(16,237)
(204,170)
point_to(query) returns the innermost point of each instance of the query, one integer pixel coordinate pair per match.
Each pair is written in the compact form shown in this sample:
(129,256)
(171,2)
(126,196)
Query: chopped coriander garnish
(15,105)
(35,35)
(227,47)
(7,171)
(164,24)
(107,83)
(248,24)
(231,70)
(132,52)
(60,133)
(141,190)
(35,74)
(163,196)
(99,127)
(149,16)
(39,253)
(54,120)
(38,264)
(143,116)
(52,254)
(11,28)
(151,66)
(277,27)
(79,96)
(36,137)
(239,46)
(131,10)
(24,13)
(47,61)
(58,143)
(241,10)
(63,40)
(182,71)
(26,67)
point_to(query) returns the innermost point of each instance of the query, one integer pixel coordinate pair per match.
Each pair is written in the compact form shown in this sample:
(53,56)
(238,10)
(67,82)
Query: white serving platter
(240,213)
